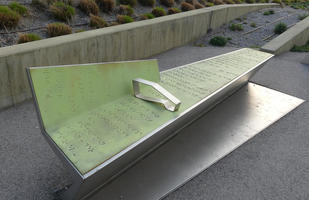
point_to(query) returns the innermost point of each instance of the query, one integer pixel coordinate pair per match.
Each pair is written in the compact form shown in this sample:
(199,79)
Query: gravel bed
(39,17)
(256,38)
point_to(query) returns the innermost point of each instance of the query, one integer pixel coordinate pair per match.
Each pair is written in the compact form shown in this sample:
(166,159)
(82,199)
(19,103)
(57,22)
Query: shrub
(236,27)
(89,7)
(128,2)
(186,6)
(269,12)
(167,3)
(125,10)
(106,5)
(22,10)
(238,1)
(253,25)
(147,2)
(171,11)
(28,37)
(250,1)
(301,17)
(123,19)
(57,29)
(147,16)
(218,41)
(218,2)
(97,22)
(229,2)
(198,6)
(158,12)
(276,1)
(280,28)
(304,48)
(8,17)
(62,11)
(209,4)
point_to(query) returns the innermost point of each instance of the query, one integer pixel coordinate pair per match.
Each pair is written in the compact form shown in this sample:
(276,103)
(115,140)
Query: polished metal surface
(171,103)
(199,145)
(86,184)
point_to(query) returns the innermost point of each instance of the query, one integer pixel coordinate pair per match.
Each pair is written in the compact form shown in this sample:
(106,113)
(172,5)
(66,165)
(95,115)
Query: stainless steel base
(198,146)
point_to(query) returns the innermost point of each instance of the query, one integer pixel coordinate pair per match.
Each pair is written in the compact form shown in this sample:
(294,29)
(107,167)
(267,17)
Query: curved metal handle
(171,103)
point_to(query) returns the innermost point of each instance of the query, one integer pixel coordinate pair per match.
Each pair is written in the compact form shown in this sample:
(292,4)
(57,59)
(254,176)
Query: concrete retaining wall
(124,42)
(296,35)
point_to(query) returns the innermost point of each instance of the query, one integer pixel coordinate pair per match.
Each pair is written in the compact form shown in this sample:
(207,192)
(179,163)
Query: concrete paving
(272,165)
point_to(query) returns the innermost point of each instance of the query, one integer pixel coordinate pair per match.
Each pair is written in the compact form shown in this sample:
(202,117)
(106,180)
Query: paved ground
(273,165)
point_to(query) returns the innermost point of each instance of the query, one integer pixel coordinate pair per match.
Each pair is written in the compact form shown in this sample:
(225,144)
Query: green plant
(89,7)
(28,37)
(269,12)
(158,12)
(147,2)
(97,22)
(198,5)
(57,29)
(250,1)
(22,10)
(62,11)
(125,10)
(171,11)
(186,6)
(276,1)
(106,5)
(8,17)
(304,48)
(253,25)
(128,2)
(167,3)
(147,16)
(209,4)
(303,16)
(123,19)
(229,38)
(236,27)
(218,41)
(280,28)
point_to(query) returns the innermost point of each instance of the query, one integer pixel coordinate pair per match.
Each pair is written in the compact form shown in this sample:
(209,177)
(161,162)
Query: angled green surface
(91,114)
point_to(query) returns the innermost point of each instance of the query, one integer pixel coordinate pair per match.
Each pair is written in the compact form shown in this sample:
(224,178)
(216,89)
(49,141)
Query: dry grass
(8,17)
(62,11)
(57,29)
(125,10)
(171,11)
(158,12)
(89,7)
(97,22)
(186,6)
(124,19)
(28,37)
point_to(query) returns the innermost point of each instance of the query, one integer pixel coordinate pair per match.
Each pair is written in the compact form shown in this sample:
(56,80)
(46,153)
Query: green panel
(91,114)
